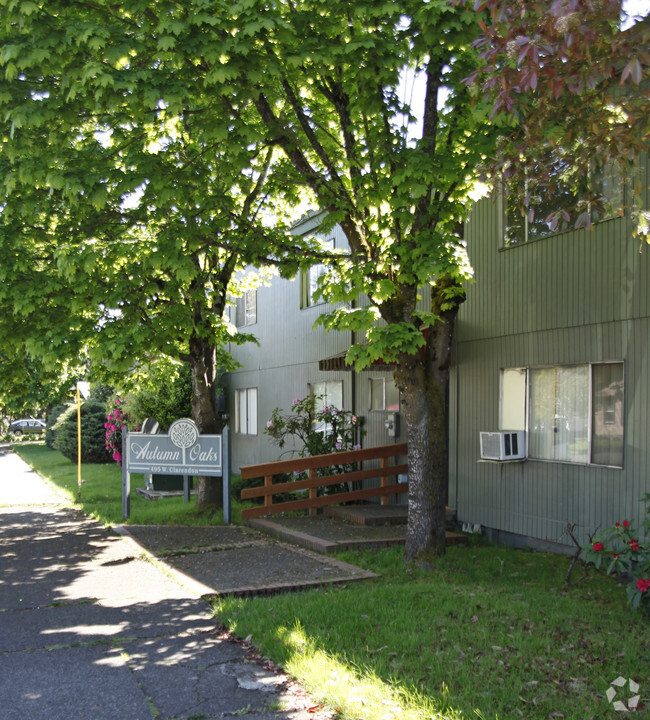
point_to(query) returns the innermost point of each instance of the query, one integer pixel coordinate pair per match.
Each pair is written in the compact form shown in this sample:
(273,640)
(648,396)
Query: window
(518,228)
(328,394)
(512,410)
(246,411)
(574,413)
(309,278)
(384,394)
(246,309)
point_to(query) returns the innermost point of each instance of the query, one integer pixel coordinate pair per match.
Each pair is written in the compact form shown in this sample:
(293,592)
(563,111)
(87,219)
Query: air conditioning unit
(503,445)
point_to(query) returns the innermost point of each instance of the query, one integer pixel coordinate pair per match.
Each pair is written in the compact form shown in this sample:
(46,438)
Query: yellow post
(78,441)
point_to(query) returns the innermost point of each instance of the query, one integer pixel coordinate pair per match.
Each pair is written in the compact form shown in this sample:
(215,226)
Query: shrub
(321,429)
(623,552)
(52,417)
(93,437)
(117,420)
(166,397)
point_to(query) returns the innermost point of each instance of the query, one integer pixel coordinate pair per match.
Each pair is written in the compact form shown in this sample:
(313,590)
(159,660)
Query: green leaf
(166,42)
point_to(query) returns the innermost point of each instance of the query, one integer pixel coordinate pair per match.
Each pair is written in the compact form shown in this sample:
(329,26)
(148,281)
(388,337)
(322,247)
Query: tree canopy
(153,148)
(570,77)
(324,79)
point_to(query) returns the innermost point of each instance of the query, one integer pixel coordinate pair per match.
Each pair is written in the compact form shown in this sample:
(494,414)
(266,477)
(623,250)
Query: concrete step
(375,514)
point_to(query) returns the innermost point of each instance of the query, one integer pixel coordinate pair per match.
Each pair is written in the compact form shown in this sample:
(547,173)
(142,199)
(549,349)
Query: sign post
(183,451)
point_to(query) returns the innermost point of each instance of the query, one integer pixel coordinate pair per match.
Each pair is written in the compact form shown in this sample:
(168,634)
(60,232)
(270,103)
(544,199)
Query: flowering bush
(619,548)
(116,422)
(319,429)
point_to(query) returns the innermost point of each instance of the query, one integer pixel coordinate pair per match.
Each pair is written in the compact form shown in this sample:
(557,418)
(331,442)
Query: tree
(27,387)
(571,82)
(130,198)
(324,80)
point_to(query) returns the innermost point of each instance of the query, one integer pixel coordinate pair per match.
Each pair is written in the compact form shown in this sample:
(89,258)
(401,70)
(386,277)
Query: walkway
(92,628)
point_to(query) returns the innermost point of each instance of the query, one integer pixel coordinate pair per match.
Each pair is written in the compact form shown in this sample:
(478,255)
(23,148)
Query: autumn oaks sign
(181,452)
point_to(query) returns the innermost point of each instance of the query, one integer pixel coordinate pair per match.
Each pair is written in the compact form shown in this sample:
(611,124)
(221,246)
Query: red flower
(626,524)
(643,585)
(598,546)
(634,544)
(618,526)
(615,556)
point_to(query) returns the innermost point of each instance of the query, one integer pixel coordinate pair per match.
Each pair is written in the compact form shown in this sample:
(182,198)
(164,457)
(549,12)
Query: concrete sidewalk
(90,629)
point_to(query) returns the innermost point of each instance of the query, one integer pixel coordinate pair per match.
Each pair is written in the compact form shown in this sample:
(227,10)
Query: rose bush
(117,421)
(619,549)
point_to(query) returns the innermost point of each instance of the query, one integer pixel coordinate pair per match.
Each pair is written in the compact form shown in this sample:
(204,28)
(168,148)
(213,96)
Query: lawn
(487,632)
(101,492)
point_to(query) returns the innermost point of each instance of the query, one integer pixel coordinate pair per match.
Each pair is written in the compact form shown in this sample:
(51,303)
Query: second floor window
(309,279)
(524,227)
(246,309)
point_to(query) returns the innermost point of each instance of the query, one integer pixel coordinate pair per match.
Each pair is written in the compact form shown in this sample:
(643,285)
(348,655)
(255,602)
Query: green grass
(489,632)
(101,492)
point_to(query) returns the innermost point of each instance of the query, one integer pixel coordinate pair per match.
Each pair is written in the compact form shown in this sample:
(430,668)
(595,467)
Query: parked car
(28,425)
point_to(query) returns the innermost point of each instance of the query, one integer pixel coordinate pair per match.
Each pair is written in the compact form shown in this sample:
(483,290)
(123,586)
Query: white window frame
(246,308)
(383,407)
(589,419)
(246,421)
(313,389)
(310,276)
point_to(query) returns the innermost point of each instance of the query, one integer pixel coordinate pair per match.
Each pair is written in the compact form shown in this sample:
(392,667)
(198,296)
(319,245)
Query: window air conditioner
(504,445)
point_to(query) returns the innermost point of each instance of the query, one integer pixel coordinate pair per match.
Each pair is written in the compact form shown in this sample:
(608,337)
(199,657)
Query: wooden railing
(313,482)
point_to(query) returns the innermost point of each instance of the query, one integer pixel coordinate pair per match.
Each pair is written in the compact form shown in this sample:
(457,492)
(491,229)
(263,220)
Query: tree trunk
(424,387)
(209,491)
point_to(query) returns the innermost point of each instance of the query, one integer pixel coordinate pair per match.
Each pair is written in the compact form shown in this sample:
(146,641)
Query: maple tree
(129,200)
(324,79)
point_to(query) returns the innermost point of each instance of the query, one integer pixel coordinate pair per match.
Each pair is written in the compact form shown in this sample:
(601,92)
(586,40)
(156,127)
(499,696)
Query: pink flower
(296,401)
(356,447)
(598,546)
(269,424)
(353,420)
(338,446)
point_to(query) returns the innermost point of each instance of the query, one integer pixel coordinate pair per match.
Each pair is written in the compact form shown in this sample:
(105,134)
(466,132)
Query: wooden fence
(311,465)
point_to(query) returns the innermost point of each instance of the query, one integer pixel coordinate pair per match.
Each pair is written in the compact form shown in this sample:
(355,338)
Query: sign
(183,451)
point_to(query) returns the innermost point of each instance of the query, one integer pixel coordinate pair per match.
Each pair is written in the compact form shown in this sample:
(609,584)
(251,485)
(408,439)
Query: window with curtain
(246,309)
(574,413)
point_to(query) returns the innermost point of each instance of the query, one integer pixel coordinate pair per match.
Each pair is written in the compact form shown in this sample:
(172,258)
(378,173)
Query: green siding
(574,297)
